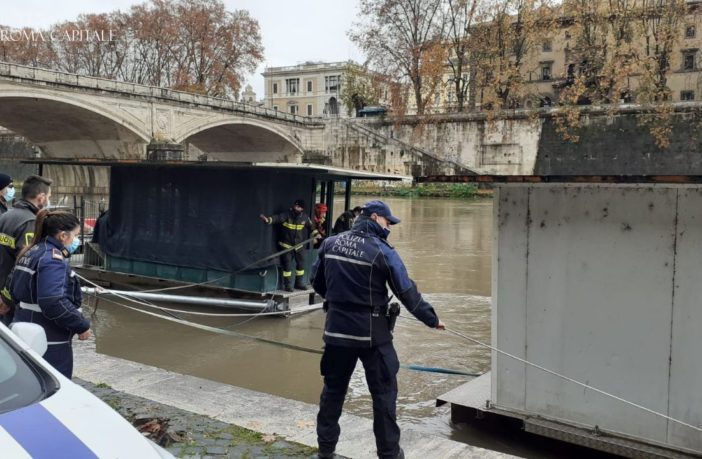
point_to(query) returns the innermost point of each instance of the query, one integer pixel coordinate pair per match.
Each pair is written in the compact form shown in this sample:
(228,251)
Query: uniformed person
(17,231)
(7,192)
(352,273)
(296,227)
(345,220)
(47,291)
(319,219)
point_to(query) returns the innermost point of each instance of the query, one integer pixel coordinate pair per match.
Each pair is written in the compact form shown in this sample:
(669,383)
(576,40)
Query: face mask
(74,245)
(9,194)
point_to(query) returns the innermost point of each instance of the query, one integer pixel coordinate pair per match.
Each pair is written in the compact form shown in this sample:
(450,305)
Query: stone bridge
(73,116)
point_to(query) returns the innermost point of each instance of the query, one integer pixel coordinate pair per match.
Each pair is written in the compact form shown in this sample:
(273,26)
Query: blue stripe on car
(42,435)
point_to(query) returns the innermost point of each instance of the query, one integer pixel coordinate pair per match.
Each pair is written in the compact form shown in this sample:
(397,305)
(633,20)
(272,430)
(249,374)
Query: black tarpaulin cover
(197,217)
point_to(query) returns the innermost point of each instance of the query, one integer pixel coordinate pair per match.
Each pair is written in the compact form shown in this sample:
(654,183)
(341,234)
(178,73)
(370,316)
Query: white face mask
(9,194)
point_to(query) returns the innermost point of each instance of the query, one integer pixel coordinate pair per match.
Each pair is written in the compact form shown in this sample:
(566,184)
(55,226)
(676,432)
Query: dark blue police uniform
(352,273)
(47,292)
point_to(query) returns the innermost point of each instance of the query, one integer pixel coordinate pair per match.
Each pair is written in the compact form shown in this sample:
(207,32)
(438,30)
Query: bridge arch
(67,126)
(241,139)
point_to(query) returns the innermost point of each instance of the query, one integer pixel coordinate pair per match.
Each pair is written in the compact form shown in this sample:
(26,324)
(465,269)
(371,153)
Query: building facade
(309,89)
(552,60)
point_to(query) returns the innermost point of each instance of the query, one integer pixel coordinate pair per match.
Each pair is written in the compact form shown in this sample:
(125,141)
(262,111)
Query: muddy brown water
(446,245)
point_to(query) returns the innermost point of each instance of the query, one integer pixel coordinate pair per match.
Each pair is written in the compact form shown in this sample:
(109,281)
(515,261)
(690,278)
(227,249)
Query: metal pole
(330,207)
(323,192)
(194,300)
(347,198)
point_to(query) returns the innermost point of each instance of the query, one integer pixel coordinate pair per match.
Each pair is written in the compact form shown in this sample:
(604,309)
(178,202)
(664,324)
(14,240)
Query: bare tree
(459,16)
(502,43)
(195,45)
(404,39)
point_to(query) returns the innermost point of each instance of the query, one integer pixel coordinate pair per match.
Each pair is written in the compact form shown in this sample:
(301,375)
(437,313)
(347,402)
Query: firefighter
(319,220)
(296,227)
(47,291)
(17,231)
(7,192)
(351,273)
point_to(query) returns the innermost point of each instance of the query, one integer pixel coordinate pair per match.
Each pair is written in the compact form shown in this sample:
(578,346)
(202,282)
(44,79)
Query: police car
(45,415)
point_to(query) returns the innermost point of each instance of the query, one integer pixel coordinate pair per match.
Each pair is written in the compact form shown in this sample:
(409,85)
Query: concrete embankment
(269,415)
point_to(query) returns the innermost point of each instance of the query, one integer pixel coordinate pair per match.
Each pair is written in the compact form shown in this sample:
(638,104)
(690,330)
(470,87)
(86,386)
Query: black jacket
(344,222)
(295,228)
(16,231)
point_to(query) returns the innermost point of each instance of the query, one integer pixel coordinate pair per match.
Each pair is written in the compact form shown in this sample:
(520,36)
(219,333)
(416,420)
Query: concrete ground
(281,427)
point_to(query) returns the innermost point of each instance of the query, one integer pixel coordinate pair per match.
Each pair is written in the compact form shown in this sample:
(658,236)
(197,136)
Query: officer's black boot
(286,285)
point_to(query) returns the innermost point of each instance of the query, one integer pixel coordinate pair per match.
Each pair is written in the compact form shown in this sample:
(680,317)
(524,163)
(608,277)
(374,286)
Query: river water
(446,245)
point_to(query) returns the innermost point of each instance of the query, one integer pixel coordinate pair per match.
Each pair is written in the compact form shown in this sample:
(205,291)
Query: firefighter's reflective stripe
(28,238)
(293,226)
(7,240)
(288,246)
(300,272)
(287,273)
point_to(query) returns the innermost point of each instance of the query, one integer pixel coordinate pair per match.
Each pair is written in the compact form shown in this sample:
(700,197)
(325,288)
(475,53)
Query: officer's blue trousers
(381,366)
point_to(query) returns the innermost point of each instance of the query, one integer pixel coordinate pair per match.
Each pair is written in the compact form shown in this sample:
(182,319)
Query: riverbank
(423,190)
(221,410)
(188,435)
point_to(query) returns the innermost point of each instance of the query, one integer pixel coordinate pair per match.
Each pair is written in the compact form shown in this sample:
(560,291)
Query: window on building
(547,47)
(309,86)
(275,107)
(690,31)
(275,88)
(292,86)
(687,95)
(689,59)
(546,71)
(294,109)
(309,109)
(332,84)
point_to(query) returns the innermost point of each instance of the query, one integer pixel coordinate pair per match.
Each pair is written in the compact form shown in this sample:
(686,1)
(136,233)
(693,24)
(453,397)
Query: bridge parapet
(26,74)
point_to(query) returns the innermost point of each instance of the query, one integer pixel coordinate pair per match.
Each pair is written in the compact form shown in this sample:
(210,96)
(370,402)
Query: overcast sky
(293,32)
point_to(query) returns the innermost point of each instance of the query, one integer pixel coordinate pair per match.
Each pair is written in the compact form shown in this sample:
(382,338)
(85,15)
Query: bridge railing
(104,84)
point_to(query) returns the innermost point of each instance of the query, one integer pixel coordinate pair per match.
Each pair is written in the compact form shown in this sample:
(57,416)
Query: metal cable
(587,386)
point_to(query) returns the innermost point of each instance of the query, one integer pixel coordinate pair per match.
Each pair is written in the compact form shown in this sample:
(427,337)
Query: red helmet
(320,207)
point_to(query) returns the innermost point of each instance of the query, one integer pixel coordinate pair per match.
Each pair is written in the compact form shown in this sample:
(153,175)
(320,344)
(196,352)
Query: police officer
(17,231)
(352,273)
(295,227)
(47,291)
(7,192)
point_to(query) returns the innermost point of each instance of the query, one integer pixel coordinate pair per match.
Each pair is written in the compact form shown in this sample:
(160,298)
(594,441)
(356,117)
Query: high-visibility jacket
(295,228)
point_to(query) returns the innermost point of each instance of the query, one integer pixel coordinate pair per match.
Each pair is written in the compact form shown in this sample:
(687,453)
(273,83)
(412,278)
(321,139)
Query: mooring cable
(228,332)
(574,381)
